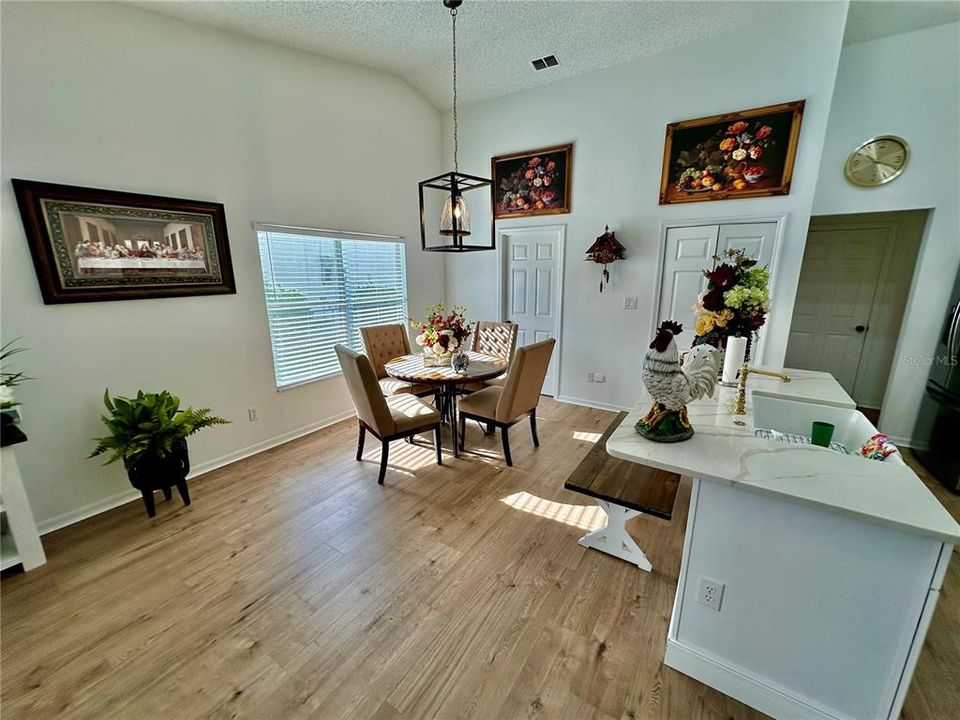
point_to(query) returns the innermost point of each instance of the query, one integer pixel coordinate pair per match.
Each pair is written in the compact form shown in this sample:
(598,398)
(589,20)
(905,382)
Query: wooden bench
(624,490)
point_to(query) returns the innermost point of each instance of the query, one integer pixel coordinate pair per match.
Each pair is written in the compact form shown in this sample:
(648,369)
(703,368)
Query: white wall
(616,117)
(907,85)
(109,96)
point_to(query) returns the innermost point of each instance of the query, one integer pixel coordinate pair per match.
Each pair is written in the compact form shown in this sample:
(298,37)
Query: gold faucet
(740,406)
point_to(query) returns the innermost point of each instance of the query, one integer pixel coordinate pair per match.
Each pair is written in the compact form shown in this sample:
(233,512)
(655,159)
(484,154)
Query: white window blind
(320,291)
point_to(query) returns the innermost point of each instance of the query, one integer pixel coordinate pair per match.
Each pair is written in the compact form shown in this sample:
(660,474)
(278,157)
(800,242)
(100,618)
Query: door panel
(533,257)
(756,238)
(838,281)
(691,249)
(688,251)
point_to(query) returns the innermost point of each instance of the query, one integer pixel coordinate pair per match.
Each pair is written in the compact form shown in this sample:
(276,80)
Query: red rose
(534,162)
(722,276)
(713,300)
(530,174)
(763,132)
(547,179)
(737,127)
(550,166)
(756,151)
(547,196)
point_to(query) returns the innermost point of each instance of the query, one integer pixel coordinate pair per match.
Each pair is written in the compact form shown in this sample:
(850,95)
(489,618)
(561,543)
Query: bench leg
(613,537)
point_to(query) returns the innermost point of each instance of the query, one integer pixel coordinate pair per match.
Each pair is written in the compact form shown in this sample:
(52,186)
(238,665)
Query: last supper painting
(104,245)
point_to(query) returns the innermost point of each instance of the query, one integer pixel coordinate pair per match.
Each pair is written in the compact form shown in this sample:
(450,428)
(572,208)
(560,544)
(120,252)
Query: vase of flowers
(441,334)
(735,302)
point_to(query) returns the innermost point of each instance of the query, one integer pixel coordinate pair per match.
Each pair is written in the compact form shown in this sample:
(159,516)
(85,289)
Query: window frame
(325,234)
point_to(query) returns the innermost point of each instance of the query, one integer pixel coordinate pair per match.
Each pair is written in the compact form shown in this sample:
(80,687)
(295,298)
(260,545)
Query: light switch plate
(630,303)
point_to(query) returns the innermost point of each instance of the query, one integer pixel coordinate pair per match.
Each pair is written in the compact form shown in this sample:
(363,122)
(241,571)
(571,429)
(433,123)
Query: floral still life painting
(743,154)
(536,182)
(735,302)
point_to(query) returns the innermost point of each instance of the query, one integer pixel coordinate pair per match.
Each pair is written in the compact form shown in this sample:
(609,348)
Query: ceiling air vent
(545,62)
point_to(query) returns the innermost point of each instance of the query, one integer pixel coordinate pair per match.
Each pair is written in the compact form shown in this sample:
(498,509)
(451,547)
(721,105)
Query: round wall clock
(877,161)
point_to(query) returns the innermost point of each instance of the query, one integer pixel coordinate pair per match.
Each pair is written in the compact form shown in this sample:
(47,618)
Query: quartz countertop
(722,451)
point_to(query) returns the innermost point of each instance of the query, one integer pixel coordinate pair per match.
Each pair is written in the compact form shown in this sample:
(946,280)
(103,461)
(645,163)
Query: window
(321,288)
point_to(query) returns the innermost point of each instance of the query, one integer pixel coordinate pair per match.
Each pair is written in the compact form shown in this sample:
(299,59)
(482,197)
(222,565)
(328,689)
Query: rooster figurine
(671,386)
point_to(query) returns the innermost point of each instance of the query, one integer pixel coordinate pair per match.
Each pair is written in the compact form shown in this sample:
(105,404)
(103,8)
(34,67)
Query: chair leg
(167,493)
(463,432)
(505,437)
(489,429)
(363,434)
(384,454)
(437,438)
(533,427)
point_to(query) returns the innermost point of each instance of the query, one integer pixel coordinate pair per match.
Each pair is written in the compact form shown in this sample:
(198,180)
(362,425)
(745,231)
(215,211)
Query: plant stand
(162,474)
(15,505)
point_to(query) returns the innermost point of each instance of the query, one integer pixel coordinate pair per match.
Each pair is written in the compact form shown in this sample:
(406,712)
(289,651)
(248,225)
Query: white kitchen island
(809,577)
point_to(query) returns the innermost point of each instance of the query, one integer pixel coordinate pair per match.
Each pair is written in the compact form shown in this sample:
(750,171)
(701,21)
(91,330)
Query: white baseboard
(590,403)
(740,686)
(95,508)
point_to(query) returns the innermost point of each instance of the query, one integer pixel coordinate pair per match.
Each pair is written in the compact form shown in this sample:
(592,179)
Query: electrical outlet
(630,303)
(710,593)
(253,414)
(590,376)
(599,377)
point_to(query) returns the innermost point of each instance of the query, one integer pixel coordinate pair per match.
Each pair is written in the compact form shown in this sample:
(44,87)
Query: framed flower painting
(91,245)
(736,155)
(535,182)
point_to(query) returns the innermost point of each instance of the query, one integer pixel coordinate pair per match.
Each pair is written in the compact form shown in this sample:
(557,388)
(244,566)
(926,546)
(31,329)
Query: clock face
(877,161)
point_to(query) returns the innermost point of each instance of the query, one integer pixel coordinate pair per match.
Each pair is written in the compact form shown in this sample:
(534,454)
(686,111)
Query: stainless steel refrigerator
(938,425)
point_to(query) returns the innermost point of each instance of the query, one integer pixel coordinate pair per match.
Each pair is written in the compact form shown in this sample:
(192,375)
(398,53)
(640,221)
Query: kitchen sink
(852,429)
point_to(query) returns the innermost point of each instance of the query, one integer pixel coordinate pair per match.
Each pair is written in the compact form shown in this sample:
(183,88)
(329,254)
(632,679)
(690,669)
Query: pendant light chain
(456,128)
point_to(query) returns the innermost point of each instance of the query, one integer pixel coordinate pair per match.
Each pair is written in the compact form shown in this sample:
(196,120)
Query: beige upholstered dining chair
(507,405)
(382,344)
(388,418)
(498,339)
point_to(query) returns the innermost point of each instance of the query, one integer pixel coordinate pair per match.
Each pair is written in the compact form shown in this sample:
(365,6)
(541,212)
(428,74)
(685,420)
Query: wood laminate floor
(296,587)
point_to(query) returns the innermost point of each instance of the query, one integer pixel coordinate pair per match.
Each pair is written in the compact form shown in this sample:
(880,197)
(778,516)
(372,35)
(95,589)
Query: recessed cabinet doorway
(689,250)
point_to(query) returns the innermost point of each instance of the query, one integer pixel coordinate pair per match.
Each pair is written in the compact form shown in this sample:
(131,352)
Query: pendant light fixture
(454,225)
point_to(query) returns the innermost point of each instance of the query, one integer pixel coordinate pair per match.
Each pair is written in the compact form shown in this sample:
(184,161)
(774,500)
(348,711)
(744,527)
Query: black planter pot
(152,474)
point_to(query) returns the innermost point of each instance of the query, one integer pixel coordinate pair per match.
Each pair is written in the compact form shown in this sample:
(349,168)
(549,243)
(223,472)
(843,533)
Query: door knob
(861,328)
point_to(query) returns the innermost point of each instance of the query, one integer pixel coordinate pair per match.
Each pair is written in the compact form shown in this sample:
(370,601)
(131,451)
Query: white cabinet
(22,545)
(691,249)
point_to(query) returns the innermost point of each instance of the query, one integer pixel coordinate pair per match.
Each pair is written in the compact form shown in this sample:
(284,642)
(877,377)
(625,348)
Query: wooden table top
(411,369)
(630,485)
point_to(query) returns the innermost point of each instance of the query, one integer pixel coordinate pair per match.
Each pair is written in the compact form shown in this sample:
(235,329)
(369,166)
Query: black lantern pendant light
(455,214)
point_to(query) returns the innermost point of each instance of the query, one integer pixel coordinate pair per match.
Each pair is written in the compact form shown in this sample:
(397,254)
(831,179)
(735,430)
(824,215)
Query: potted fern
(149,434)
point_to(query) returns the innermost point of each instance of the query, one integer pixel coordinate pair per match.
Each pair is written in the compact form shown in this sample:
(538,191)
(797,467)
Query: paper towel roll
(733,359)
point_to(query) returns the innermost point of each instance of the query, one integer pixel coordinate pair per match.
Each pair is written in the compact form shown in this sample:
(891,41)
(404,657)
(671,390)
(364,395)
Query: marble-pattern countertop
(722,451)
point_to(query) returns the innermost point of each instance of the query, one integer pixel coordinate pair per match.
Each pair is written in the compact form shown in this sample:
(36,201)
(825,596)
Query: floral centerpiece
(735,302)
(9,379)
(731,159)
(441,334)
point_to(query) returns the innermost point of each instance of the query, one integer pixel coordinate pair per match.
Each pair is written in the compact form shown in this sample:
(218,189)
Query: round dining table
(448,382)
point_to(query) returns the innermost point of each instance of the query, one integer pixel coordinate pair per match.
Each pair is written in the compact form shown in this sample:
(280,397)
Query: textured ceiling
(872,20)
(496,39)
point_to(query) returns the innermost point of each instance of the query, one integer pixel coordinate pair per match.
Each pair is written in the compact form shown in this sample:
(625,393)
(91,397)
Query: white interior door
(689,250)
(756,239)
(831,315)
(532,274)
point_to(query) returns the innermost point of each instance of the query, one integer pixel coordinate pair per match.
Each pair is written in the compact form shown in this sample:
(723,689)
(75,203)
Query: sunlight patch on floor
(585,517)
(583,436)
(404,457)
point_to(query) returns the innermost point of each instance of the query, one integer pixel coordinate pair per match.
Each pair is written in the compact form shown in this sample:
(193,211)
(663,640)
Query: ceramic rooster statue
(672,386)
